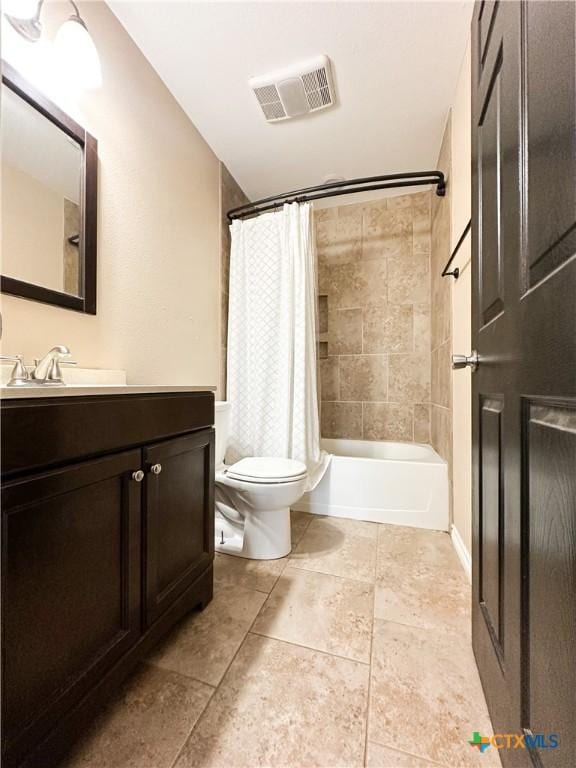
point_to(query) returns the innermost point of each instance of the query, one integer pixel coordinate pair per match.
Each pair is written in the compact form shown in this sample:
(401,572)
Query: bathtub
(398,483)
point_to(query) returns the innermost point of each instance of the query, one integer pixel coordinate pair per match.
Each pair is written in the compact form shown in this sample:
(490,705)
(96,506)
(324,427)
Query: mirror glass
(41,199)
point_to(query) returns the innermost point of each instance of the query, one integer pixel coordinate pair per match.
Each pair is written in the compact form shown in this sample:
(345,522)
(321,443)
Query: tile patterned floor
(354,651)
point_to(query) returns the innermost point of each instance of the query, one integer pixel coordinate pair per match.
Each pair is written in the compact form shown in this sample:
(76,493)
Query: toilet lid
(267,469)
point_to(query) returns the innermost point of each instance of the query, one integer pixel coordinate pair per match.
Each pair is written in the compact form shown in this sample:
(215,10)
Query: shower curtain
(272,340)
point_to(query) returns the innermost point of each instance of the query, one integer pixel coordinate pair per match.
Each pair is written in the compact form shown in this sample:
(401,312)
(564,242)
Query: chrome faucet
(47,370)
(19,376)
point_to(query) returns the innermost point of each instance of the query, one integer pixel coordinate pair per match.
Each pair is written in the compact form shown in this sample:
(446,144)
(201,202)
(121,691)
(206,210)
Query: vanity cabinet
(179,542)
(104,548)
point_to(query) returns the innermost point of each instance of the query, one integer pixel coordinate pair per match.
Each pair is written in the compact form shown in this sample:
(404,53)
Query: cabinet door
(179,520)
(71,589)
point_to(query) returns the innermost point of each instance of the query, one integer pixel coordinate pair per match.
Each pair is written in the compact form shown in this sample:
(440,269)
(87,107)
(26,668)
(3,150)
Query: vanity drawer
(38,433)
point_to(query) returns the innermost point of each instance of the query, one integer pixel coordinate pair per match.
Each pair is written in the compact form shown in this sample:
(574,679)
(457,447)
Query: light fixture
(73,45)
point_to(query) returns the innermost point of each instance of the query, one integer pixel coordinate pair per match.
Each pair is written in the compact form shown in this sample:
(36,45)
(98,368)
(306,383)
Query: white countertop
(80,390)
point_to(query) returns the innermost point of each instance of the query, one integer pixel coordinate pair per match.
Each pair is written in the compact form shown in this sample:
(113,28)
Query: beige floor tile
(425,695)
(424,596)
(203,645)
(399,544)
(324,612)
(299,522)
(283,705)
(251,574)
(338,547)
(378,756)
(145,725)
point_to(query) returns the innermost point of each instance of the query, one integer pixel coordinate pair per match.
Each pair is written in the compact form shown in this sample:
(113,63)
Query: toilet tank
(221,424)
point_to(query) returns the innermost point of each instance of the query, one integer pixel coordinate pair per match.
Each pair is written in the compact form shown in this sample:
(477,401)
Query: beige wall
(32,229)
(231,196)
(158,226)
(374,286)
(461,305)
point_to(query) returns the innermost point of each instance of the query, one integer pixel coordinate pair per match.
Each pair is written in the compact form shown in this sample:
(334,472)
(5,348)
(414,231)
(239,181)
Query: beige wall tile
(442,375)
(329,382)
(441,321)
(409,378)
(421,204)
(323,314)
(339,241)
(441,431)
(388,421)
(345,332)
(386,233)
(422,423)
(342,420)
(409,279)
(363,377)
(231,196)
(324,214)
(388,328)
(354,285)
(389,288)
(422,328)
(421,223)
(399,202)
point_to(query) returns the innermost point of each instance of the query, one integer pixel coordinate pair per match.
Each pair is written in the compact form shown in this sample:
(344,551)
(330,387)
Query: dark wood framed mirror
(49,200)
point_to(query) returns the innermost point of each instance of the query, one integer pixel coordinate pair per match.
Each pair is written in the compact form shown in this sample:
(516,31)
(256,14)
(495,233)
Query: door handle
(138,476)
(466,361)
(156,469)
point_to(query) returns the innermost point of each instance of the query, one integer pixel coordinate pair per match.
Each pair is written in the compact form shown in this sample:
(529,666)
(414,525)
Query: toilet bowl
(253,498)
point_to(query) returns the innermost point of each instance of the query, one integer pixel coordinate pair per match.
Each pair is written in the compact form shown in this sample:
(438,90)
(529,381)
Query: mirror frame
(88,199)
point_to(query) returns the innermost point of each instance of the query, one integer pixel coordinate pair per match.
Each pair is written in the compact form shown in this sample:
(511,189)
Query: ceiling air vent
(295,91)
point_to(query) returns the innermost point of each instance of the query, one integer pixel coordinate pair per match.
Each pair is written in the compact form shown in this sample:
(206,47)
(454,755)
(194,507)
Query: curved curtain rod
(336,188)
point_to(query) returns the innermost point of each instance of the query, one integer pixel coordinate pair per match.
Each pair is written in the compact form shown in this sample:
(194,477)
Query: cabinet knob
(156,469)
(138,476)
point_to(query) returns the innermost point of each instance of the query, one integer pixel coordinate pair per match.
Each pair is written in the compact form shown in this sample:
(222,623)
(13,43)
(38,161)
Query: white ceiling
(396,66)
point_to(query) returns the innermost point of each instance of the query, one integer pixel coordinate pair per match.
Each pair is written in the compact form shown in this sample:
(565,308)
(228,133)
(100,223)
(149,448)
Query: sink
(87,382)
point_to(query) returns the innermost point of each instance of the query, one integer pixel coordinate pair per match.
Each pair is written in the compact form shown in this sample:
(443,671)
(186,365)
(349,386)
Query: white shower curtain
(272,340)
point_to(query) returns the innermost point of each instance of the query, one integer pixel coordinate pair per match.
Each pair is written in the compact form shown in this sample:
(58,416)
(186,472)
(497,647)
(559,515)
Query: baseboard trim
(461,551)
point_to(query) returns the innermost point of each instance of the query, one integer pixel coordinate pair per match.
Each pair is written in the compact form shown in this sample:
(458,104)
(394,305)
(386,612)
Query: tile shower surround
(375,319)
(231,196)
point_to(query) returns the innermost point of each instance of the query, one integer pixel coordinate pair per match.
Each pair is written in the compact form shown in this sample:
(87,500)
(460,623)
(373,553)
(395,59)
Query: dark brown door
(524,390)
(71,589)
(179,520)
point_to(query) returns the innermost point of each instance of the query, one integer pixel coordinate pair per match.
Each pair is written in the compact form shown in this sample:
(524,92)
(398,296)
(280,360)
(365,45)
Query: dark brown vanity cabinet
(179,540)
(101,554)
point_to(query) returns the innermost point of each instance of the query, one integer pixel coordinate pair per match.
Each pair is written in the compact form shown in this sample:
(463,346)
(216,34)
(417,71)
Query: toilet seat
(267,470)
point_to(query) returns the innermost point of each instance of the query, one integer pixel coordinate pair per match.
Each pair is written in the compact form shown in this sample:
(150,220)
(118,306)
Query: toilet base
(260,535)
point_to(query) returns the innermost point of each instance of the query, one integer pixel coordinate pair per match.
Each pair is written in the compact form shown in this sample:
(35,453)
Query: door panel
(489,181)
(71,568)
(179,517)
(550,123)
(496,450)
(491,516)
(486,17)
(524,329)
(550,576)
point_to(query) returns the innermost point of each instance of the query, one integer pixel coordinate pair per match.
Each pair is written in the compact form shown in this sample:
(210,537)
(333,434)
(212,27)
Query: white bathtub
(399,483)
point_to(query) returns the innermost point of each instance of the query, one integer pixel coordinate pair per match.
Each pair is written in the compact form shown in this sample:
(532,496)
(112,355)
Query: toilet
(253,499)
